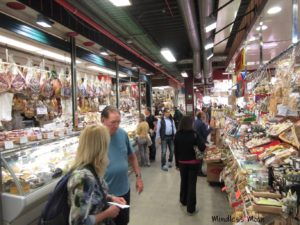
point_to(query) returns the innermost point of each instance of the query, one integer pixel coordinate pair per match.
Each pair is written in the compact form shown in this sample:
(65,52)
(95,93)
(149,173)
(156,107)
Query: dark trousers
(188,174)
(152,148)
(123,217)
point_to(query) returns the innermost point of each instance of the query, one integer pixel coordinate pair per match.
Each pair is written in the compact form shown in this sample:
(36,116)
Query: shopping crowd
(98,179)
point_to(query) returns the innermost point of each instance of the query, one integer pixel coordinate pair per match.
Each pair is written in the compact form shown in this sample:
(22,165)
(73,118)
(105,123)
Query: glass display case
(29,173)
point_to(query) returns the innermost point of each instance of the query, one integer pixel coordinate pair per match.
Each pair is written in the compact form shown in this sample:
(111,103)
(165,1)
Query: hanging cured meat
(32,75)
(82,87)
(89,87)
(66,84)
(56,83)
(46,86)
(5,81)
(18,83)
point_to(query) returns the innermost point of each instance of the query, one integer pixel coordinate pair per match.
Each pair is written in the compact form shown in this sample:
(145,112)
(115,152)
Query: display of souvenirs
(257,142)
(276,129)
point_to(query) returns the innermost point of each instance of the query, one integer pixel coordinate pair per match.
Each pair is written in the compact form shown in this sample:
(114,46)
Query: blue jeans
(167,141)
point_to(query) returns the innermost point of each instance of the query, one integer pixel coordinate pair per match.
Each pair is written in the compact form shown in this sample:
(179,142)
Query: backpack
(57,209)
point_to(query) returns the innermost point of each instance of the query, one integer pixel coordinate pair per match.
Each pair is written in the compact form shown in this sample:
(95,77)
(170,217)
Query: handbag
(198,154)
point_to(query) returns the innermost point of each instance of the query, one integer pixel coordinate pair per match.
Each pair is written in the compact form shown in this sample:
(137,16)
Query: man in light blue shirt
(120,153)
(165,135)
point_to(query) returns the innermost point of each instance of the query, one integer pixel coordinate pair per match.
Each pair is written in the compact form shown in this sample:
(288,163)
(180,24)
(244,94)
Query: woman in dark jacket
(185,140)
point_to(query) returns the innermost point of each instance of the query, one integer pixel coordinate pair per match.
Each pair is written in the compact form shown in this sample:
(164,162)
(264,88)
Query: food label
(41,111)
(23,140)
(237,194)
(8,144)
(39,136)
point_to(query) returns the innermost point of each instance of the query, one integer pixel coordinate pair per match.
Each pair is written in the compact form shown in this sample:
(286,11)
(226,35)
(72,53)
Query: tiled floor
(159,203)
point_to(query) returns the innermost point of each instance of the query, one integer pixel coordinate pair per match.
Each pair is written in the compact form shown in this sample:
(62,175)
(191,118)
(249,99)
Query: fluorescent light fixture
(251,63)
(263,27)
(195,87)
(211,24)
(210,56)
(107,71)
(294,40)
(103,51)
(35,50)
(274,10)
(209,44)
(120,3)
(44,21)
(184,74)
(167,54)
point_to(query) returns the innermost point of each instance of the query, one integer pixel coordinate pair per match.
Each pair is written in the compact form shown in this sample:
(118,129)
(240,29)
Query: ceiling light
(168,55)
(120,3)
(44,21)
(210,56)
(211,24)
(184,74)
(195,87)
(263,27)
(35,50)
(107,71)
(252,39)
(274,10)
(251,63)
(104,52)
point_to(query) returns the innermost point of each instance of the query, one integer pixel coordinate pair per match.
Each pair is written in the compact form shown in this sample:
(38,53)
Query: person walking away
(152,121)
(88,204)
(120,153)
(143,140)
(165,135)
(185,140)
(177,116)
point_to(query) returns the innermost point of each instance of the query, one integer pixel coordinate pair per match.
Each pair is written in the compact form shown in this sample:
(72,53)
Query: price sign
(50,135)
(23,140)
(8,144)
(39,136)
(61,133)
(41,111)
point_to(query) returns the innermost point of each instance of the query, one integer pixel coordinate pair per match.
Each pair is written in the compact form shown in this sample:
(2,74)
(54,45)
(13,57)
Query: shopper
(152,121)
(201,126)
(177,116)
(185,140)
(87,202)
(165,135)
(143,140)
(120,153)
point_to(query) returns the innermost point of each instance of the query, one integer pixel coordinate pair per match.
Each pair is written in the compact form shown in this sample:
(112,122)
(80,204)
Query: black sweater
(184,143)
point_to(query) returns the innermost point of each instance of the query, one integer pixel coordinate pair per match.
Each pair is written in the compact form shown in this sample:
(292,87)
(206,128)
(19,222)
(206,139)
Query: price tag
(237,194)
(23,140)
(39,136)
(50,135)
(8,144)
(41,111)
(61,133)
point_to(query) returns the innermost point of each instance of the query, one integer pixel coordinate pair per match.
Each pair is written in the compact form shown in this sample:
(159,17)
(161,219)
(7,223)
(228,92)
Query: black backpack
(57,209)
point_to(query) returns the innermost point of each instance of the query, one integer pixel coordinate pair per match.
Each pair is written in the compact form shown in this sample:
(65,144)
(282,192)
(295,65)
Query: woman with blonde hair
(87,190)
(143,140)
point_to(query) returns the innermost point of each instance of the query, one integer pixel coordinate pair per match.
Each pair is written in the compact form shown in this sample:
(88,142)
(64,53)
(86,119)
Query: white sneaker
(169,164)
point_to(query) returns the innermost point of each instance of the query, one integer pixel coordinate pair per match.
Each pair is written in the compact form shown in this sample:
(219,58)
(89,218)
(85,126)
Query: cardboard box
(213,171)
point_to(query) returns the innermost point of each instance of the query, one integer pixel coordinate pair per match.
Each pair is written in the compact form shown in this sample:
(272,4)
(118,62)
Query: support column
(149,94)
(295,31)
(189,95)
(261,44)
(74,82)
(140,88)
(117,84)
